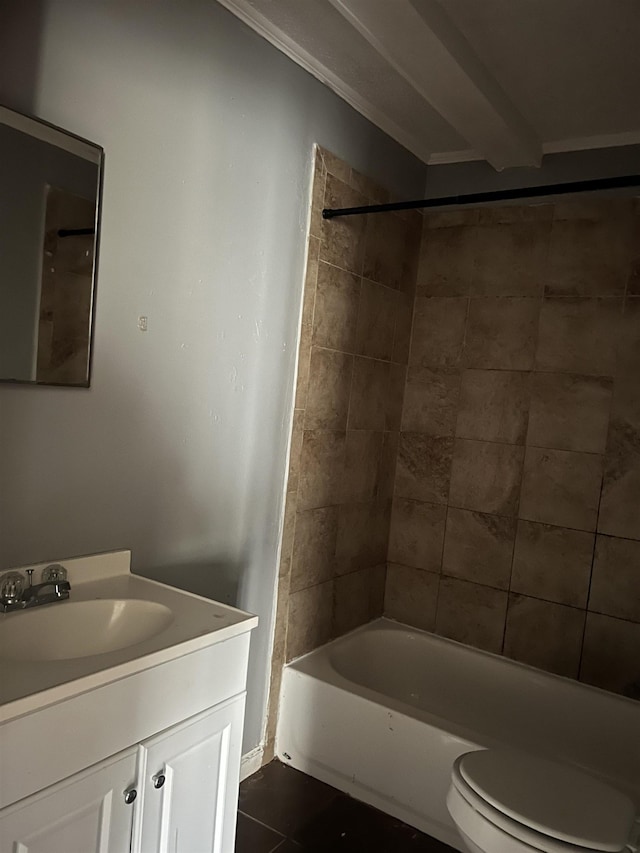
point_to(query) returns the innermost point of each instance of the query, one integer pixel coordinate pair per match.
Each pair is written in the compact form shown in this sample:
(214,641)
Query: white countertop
(26,686)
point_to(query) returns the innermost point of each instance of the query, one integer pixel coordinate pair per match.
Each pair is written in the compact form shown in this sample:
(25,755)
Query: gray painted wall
(178,450)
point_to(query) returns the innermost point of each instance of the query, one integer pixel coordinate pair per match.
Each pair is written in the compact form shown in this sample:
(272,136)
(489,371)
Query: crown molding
(243,10)
(446,158)
(588,143)
(558,146)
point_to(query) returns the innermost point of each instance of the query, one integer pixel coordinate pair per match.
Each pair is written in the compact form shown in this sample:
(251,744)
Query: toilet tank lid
(551,798)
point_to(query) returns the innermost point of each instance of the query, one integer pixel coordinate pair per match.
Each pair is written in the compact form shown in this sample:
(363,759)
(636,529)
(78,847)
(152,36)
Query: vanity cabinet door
(190,783)
(83,814)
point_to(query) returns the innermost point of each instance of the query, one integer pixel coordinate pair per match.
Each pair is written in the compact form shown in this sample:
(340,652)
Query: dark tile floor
(284,811)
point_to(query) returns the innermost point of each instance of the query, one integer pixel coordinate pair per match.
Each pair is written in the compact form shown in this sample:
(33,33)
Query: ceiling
(455,80)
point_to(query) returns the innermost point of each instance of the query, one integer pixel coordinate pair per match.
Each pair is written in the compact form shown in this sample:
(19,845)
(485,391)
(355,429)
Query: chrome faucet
(15,596)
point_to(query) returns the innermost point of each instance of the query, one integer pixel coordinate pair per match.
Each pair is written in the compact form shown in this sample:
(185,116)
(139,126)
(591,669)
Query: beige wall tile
(363,532)
(278,658)
(329,388)
(569,412)
(486,477)
(423,468)
(317,196)
(289,526)
(451,218)
(314,548)
(310,282)
(590,258)
(304,357)
(620,502)
(411,596)
(388,256)
(610,653)
(516,213)
(337,298)
(395,396)
(321,468)
(387,466)
(297,433)
(335,166)
(402,331)
(362,462)
(377,583)
(510,259)
(628,352)
(578,335)
(375,193)
(478,547)
(342,239)
(553,563)
(284,568)
(633,282)
(447,257)
(594,209)
(415,224)
(438,331)
(561,487)
(416,534)
(310,619)
(471,613)
(494,406)
(376,320)
(615,585)
(502,333)
(545,635)
(368,405)
(352,601)
(431,400)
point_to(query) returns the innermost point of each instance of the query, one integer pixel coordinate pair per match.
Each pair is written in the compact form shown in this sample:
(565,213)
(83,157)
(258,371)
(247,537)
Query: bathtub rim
(386,623)
(317,664)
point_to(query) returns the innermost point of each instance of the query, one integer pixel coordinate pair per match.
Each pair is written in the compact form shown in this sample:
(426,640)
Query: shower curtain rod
(498,195)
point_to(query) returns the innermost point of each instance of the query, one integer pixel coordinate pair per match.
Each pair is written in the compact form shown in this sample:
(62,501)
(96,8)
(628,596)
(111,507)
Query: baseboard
(251,762)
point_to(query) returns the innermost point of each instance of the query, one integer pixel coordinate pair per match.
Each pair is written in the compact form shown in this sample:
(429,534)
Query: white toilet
(510,802)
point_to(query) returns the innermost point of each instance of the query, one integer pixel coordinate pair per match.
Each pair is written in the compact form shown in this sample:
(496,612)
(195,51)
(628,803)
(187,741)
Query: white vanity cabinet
(189,785)
(175,793)
(83,814)
(133,750)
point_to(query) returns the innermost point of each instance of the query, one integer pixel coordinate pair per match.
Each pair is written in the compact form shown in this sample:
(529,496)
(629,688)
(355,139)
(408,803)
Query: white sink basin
(80,629)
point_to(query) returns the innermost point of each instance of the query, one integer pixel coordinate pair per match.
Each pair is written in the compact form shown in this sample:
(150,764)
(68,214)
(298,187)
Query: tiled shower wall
(516,512)
(354,347)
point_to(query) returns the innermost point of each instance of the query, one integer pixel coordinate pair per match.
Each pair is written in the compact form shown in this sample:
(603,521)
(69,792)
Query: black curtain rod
(497,195)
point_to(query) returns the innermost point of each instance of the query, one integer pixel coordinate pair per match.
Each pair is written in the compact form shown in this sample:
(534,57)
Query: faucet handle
(53,573)
(11,587)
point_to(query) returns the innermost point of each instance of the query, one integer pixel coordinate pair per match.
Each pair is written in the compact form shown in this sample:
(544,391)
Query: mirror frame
(71,142)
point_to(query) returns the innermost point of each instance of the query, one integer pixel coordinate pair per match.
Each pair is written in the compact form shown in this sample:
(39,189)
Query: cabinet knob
(129,795)
(158,780)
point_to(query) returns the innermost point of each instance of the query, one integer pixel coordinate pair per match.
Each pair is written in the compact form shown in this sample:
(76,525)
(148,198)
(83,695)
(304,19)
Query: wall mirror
(49,226)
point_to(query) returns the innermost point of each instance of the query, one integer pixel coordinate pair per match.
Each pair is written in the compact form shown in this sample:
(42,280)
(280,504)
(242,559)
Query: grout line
(262,823)
(444,574)
(595,544)
(479,368)
(544,296)
(360,275)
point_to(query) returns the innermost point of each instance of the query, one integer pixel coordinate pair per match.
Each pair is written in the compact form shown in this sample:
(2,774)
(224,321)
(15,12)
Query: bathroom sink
(80,629)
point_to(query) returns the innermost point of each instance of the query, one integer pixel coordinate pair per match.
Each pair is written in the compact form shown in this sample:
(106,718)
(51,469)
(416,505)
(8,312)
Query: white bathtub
(383,712)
